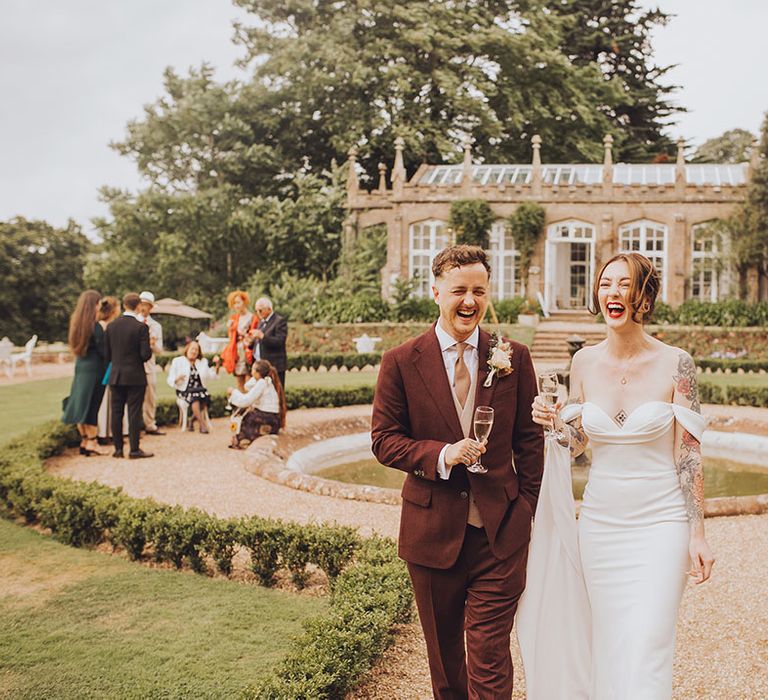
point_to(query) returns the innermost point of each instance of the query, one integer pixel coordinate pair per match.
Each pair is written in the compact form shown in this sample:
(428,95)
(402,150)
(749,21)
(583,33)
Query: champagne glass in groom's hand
(483,422)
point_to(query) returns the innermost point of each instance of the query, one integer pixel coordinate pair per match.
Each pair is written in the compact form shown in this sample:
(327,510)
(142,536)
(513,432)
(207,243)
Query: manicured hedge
(309,360)
(370,588)
(732,394)
(733,364)
(168,413)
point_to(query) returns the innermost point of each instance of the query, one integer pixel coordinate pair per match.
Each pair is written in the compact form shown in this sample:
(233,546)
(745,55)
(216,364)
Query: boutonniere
(499,359)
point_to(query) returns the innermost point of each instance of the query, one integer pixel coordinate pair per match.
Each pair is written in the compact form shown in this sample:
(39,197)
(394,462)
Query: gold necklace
(624,375)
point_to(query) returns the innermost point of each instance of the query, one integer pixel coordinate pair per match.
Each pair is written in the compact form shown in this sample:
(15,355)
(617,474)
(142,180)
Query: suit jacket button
(418,472)
(464,494)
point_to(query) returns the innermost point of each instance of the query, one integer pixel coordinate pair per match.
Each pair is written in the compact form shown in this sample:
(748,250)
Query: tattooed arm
(689,467)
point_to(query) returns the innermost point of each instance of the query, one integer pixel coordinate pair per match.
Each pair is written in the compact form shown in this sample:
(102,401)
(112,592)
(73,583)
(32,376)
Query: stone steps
(550,340)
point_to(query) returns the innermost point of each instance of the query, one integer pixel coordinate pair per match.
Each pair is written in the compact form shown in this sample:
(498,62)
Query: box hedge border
(370,588)
(305,360)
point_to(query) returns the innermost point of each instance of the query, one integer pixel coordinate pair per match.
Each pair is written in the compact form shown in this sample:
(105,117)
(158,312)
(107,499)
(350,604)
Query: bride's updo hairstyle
(644,285)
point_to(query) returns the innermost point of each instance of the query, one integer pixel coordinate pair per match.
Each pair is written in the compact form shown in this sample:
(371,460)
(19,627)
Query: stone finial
(681,151)
(536,143)
(680,164)
(353,183)
(536,172)
(466,167)
(398,171)
(382,177)
(608,148)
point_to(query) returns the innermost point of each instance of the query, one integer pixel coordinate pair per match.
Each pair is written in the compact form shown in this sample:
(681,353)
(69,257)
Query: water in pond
(721,477)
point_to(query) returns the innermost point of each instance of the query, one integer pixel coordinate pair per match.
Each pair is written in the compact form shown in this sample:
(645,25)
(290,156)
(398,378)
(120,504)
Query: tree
(471,219)
(756,209)
(616,37)
(41,276)
(733,146)
(525,225)
(199,245)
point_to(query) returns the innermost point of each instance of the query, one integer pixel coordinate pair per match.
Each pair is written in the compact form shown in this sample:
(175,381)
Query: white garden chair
(16,358)
(184,414)
(6,349)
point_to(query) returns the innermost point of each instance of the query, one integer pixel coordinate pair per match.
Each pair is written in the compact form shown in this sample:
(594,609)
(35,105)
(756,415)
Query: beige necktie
(461,379)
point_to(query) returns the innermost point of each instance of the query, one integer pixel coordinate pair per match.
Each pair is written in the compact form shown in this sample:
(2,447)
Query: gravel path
(191,469)
(722,647)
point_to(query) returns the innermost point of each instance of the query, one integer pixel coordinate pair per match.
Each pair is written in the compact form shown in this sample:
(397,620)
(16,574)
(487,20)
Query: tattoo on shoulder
(685,381)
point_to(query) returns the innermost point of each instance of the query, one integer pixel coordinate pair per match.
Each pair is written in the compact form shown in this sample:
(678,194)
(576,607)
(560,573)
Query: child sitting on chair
(188,375)
(262,404)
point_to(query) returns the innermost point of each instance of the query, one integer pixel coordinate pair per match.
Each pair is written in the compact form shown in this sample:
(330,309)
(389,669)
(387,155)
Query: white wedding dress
(598,616)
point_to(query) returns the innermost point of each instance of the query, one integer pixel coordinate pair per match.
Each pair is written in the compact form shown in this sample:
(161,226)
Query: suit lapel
(430,366)
(484,395)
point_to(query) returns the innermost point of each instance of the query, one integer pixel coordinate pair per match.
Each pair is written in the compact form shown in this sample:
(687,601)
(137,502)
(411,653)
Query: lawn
(22,406)
(83,624)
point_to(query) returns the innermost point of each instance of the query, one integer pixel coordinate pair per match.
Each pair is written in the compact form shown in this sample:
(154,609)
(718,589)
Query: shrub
(132,528)
(263,538)
(471,219)
(333,547)
(733,394)
(177,534)
(221,543)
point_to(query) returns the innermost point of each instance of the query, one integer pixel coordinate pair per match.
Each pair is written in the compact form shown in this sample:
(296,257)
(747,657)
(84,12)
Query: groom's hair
(458,256)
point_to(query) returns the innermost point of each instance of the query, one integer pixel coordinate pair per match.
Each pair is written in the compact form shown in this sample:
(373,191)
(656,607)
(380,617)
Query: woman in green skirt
(86,340)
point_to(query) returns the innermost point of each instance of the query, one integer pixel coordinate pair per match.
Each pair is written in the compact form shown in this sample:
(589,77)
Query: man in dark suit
(463,535)
(127,348)
(270,336)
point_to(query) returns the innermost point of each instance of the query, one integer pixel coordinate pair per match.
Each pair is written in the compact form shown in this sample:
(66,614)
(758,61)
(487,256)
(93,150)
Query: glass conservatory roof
(623,174)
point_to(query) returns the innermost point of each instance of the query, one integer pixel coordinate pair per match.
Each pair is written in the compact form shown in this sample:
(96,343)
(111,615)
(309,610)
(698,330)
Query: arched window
(569,264)
(505,262)
(650,239)
(427,239)
(710,273)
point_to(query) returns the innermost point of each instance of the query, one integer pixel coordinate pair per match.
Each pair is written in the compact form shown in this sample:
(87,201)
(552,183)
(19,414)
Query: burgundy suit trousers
(478,597)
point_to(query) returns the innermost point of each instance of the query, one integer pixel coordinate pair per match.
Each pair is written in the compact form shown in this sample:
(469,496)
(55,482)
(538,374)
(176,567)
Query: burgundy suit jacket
(414,416)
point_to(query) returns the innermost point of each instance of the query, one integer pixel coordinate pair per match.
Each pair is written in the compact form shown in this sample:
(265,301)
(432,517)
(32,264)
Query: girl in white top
(263,401)
(189,375)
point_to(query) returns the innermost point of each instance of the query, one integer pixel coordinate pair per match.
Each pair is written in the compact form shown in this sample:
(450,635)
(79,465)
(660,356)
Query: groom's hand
(465,451)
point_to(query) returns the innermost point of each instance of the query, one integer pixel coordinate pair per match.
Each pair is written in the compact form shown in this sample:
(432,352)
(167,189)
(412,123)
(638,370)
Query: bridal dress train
(598,616)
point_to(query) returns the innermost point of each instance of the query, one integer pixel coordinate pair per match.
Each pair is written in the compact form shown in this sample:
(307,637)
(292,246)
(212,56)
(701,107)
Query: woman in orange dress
(238,355)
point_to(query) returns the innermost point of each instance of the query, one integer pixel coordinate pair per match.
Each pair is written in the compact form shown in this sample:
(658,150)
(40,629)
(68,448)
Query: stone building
(592,212)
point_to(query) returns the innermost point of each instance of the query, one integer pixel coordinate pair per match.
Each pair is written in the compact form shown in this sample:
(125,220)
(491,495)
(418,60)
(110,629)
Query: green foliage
(407,307)
(42,276)
(726,313)
(617,37)
(756,209)
(471,220)
(733,146)
(733,394)
(370,597)
(198,245)
(526,225)
(732,364)
(363,259)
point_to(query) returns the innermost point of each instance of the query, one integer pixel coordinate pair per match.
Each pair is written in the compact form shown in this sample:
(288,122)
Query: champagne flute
(549,390)
(483,422)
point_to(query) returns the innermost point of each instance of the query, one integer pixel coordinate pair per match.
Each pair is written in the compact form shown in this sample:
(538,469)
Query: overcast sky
(74,72)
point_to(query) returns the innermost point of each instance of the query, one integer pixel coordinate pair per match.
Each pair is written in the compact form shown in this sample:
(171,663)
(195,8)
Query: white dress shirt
(450,352)
(261,395)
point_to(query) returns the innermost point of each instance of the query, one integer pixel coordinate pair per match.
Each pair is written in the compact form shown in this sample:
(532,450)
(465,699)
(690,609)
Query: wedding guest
(109,310)
(264,402)
(86,340)
(127,347)
(270,336)
(238,355)
(149,407)
(189,375)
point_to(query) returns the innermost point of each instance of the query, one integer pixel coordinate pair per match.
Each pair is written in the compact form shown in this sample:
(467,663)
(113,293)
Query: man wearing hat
(150,366)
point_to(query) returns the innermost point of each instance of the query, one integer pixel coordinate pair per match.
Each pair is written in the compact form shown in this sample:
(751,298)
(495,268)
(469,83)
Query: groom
(464,535)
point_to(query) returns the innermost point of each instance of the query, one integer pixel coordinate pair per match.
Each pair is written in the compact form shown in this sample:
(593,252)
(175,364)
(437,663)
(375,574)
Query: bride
(641,526)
